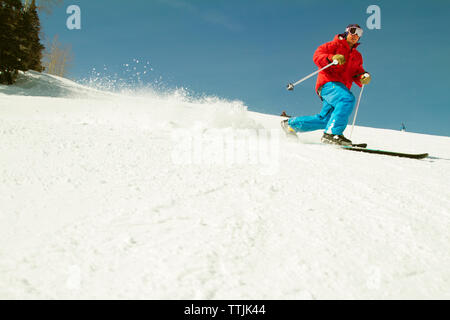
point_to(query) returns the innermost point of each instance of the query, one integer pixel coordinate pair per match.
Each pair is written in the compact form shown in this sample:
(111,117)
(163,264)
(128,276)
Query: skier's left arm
(361,76)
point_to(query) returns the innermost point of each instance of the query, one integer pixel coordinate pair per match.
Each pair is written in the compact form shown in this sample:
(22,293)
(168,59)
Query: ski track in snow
(92,206)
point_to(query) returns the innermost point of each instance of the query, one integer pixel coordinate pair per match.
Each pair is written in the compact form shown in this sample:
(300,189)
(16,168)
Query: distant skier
(333,87)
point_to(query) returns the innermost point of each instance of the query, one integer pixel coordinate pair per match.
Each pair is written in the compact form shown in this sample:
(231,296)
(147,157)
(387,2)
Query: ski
(359,145)
(387,153)
(353,145)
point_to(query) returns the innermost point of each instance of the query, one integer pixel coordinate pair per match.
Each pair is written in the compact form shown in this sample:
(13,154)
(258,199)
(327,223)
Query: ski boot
(338,139)
(290,132)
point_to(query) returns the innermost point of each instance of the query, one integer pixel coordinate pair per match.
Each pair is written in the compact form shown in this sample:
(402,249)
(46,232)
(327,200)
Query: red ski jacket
(350,71)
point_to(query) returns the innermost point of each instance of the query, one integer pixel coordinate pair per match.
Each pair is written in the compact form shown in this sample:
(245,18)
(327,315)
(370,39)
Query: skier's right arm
(324,54)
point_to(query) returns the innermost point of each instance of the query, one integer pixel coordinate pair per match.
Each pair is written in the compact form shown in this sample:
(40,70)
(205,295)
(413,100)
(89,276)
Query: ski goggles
(355,30)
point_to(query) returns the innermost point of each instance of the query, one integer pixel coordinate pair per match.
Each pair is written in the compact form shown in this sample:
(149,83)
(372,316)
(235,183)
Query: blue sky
(250,49)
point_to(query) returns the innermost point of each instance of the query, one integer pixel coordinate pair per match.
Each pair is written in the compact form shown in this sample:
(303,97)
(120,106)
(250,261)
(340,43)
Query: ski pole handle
(291,86)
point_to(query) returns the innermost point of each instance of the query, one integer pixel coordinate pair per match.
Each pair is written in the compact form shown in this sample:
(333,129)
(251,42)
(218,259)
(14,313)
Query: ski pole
(356,112)
(291,86)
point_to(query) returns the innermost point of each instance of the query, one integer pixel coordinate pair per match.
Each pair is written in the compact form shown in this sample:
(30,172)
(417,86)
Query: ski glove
(340,58)
(365,78)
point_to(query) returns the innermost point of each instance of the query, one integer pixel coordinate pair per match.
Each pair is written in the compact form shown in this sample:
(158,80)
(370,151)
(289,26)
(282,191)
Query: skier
(333,87)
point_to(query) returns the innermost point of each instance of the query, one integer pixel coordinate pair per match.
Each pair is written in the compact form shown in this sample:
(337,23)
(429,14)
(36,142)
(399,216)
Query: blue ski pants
(338,103)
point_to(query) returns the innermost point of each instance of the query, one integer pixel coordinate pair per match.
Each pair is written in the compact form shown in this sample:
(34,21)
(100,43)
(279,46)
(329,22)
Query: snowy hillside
(162,196)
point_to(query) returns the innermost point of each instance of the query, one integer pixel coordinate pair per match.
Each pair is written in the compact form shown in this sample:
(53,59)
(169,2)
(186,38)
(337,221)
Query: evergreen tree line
(20,46)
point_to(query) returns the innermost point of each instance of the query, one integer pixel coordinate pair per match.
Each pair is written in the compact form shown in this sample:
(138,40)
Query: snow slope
(99,198)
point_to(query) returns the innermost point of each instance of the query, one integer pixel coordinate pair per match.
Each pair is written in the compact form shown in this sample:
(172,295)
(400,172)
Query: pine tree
(4,29)
(23,45)
(10,50)
(32,28)
(20,47)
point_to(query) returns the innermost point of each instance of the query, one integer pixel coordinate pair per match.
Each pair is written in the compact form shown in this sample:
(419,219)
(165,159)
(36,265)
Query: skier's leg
(311,123)
(343,101)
